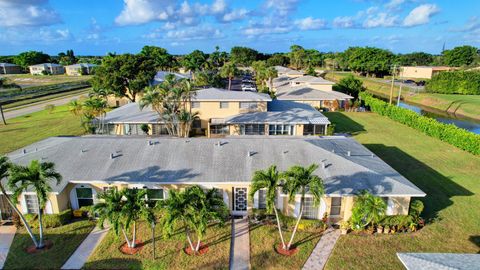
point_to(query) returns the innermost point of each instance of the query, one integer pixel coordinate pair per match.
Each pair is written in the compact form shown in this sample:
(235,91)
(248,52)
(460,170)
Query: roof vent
(112,156)
(250,153)
(285,152)
(36,149)
(83,151)
(187,141)
(373,155)
(324,165)
(349,153)
(24,151)
(150,142)
(333,150)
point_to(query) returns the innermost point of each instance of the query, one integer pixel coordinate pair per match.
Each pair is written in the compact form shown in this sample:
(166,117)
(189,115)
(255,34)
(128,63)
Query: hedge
(448,133)
(50,220)
(455,82)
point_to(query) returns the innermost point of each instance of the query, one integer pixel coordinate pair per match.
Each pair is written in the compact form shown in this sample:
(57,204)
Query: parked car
(420,83)
(249,88)
(409,81)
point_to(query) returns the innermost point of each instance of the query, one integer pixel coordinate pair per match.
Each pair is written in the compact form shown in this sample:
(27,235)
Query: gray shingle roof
(303,92)
(160,76)
(217,94)
(281,80)
(81,65)
(282,112)
(195,160)
(7,65)
(440,261)
(312,80)
(131,113)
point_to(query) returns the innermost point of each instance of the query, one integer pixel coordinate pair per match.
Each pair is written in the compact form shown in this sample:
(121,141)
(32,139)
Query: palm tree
(270,180)
(367,209)
(229,71)
(301,180)
(95,107)
(36,176)
(123,209)
(75,107)
(194,209)
(271,73)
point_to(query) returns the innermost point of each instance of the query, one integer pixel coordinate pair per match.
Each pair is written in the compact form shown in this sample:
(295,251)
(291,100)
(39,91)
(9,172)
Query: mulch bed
(202,250)
(130,251)
(292,251)
(33,250)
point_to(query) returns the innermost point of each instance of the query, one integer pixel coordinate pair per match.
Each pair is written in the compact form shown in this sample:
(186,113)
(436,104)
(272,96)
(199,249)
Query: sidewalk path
(80,256)
(240,246)
(6,238)
(322,250)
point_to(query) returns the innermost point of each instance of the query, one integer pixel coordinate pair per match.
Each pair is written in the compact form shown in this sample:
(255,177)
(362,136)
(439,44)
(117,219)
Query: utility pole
(1,113)
(393,83)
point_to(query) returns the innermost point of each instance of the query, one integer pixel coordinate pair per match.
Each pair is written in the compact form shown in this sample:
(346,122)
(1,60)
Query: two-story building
(47,68)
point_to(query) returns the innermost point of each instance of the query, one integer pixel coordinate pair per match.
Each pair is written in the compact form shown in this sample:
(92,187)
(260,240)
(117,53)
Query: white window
(262,199)
(223,105)
(336,206)
(248,105)
(219,129)
(84,196)
(280,130)
(155,194)
(309,211)
(195,104)
(31,202)
(252,129)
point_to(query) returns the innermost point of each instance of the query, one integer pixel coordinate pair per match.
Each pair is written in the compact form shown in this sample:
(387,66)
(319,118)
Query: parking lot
(248,84)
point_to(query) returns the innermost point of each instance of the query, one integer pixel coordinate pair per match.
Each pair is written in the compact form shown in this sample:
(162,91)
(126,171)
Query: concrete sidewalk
(240,247)
(322,250)
(80,256)
(7,233)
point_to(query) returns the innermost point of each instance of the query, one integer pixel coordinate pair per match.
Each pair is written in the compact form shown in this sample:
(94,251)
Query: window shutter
(255,200)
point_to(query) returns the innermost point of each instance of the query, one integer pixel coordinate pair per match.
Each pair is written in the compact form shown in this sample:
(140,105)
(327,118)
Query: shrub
(455,82)
(145,128)
(448,133)
(416,208)
(331,129)
(304,225)
(50,220)
(401,222)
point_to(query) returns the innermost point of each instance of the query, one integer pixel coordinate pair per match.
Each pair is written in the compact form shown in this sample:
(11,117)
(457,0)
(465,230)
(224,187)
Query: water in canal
(470,125)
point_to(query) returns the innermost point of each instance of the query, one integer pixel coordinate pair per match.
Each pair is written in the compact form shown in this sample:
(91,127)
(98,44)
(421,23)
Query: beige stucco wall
(401,205)
(416,72)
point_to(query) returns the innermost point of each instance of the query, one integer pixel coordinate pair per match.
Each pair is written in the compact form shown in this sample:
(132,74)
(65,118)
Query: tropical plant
(194,209)
(367,209)
(300,181)
(36,177)
(229,71)
(123,209)
(349,85)
(271,73)
(270,180)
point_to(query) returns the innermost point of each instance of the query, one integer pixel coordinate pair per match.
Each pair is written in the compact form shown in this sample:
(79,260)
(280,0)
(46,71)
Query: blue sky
(95,27)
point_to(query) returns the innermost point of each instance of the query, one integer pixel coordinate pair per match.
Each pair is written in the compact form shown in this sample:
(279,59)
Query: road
(38,106)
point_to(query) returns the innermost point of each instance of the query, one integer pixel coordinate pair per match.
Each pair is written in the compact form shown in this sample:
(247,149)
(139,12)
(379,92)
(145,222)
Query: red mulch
(292,251)
(32,249)
(130,251)
(202,250)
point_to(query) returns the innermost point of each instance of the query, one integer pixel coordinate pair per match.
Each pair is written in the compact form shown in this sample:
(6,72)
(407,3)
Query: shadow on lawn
(115,263)
(439,188)
(476,240)
(344,124)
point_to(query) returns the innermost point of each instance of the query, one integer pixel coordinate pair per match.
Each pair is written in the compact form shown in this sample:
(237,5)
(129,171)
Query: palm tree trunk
(134,234)
(189,240)
(279,228)
(40,225)
(24,221)
(229,83)
(296,224)
(126,237)
(3,116)
(198,245)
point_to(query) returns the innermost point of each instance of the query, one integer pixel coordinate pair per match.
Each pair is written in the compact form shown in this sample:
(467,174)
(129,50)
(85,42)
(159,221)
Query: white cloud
(380,20)
(218,7)
(27,13)
(282,7)
(144,11)
(420,15)
(235,15)
(472,24)
(344,22)
(194,33)
(36,36)
(310,23)
(394,4)
(264,30)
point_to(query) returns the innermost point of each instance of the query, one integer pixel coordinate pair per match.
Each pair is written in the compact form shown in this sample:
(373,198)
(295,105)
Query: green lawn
(263,239)
(461,105)
(28,80)
(169,252)
(448,175)
(27,129)
(52,97)
(65,240)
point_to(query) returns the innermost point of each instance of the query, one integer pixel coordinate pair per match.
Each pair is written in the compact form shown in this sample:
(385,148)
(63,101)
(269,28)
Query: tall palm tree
(194,209)
(36,176)
(271,73)
(96,108)
(367,209)
(229,71)
(4,168)
(270,180)
(300,180)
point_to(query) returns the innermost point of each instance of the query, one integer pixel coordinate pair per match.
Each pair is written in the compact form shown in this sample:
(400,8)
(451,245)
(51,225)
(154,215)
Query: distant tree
(229,71)
(7,59)
(218,58)
(67,58)
(160,57)
(460,56)
(297,56)
(416,59)
(124,75)
(369,60)
(243,56)
(349,85)
(271,73)
(314,58)
(194,61)
(29,58)
(278,59)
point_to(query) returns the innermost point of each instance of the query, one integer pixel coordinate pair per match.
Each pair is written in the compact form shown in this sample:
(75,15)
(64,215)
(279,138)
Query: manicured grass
(65,240)
(52,97)
(27,129)
(263,239)
(169,252)
(28,80)
(448,175)
(461,105)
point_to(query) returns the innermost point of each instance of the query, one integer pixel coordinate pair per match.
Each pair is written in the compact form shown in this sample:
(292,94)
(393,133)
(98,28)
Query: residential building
(47,68)
(422,72)
(225,113)
(288,72)
(7,68)
(228,164)
(80,69)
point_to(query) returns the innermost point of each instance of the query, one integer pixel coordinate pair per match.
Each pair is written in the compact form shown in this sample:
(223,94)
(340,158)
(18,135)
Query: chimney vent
(323,165)
(349,153)
(333,150)
(373,155)
(149,142)
(24,151)
(250,153)
(111,156)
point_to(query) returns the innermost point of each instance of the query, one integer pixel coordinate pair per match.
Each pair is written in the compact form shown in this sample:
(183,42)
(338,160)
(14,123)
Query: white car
(249,88)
